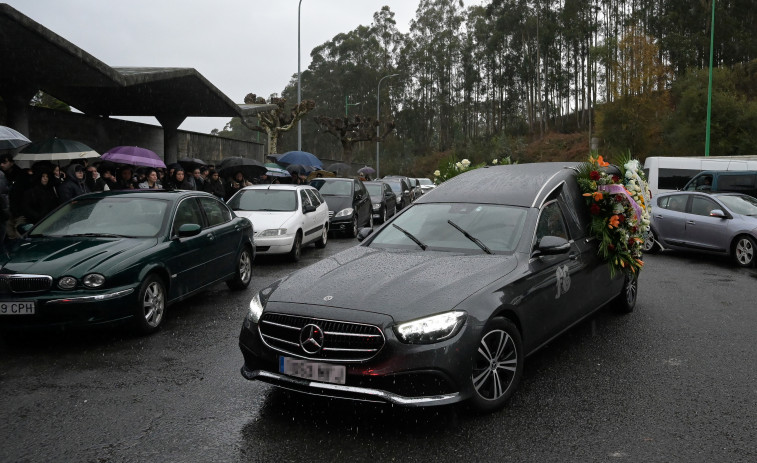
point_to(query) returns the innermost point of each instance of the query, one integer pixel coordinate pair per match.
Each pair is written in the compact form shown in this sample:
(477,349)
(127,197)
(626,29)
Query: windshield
(395,186)
(740,204)
(425,181)
(264,200)
(333,187)
(374,189)
(498,228)
(114,216)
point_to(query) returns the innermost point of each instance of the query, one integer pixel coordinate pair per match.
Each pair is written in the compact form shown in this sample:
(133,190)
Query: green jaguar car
(122,256)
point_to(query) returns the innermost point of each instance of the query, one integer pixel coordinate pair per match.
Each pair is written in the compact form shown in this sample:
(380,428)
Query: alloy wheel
(496,365)
(153,304)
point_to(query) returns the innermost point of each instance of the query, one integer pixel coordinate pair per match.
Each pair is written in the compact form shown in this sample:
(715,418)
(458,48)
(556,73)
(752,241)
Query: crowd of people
(28,194)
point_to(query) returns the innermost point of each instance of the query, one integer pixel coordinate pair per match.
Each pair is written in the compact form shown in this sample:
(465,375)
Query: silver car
(720,223)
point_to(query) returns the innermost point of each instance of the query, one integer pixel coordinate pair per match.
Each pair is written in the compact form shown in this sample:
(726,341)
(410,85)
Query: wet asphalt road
(674,381)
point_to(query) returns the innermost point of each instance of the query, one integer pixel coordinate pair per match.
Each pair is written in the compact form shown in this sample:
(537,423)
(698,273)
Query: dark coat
(215,187)
(72,187)
(39,200)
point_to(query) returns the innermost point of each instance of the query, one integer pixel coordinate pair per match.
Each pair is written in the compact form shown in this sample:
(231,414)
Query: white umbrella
(56,149)
(11,139)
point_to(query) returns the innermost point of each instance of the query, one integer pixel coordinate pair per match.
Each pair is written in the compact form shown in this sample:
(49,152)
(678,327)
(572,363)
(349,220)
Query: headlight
(344,212)
(274,232)
(431,329)
(377,206)
(256,309)
(67,283)
(93,280)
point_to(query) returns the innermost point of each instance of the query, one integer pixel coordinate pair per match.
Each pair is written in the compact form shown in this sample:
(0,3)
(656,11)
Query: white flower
(458,165)
(495,162)
(629,174)
(437,173)
(465,163)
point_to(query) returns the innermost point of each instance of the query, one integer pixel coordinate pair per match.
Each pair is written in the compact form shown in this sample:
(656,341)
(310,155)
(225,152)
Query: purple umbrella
(366,170)
(133,155)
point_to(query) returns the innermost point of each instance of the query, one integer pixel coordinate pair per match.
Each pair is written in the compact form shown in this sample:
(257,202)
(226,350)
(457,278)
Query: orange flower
(602,162)
(597,195)
(614,222)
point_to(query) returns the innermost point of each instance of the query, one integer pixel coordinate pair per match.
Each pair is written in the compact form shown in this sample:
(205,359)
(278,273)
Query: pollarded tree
(353,131)
(276,121)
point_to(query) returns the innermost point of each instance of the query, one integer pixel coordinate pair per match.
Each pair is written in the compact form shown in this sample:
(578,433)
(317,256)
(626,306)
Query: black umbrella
(191,163)
(300,169)
(250,168)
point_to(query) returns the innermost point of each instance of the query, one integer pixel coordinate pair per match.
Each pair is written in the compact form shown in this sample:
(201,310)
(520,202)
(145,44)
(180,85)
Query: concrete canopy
(34,58)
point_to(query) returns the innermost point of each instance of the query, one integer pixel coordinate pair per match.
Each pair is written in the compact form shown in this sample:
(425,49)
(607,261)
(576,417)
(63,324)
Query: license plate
(17,308)
(316,371)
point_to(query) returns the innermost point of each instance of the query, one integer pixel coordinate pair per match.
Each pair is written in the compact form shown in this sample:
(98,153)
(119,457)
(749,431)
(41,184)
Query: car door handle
(211,236)
(573,256)
(690,222)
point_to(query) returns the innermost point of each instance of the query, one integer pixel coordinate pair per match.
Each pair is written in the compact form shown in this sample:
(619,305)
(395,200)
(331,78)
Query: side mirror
(24,228)
(309,208)
(364,233)
(189,229)
(551,245)
(718,213)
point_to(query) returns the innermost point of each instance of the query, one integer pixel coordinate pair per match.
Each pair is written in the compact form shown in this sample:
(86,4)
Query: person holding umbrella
(236,183)
(151,180)
(74,185)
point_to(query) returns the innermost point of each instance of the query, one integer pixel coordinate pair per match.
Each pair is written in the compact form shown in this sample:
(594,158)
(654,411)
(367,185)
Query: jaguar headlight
(93,280)
(67,283)
(274,232)
(344,212)
(256,309)
(431,329)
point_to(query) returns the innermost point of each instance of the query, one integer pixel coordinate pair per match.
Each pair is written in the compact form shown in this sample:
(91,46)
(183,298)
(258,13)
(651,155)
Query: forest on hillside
(485,81)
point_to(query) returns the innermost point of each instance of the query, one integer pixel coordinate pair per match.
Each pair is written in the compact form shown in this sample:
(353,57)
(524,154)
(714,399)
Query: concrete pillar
(17,107)
(170,122)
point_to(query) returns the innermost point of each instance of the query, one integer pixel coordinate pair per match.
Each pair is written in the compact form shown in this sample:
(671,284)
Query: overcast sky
(240,46)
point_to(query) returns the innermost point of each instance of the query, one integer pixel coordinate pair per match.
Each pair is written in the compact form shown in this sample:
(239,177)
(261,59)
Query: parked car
(719,223)
(412,184)
(383,200)
(122,256)
(443,303)
(426,185)
(401,190)
(349,203)
(285,217)
(666,174)
(713,181)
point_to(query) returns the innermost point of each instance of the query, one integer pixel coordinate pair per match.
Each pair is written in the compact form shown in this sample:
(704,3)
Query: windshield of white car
(333,187)
(115,216)
(740,204)
(497,228)
(264,200)
(425,181)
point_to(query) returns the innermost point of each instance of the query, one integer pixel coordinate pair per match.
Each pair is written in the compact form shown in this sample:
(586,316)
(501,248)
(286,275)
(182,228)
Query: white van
(672,173)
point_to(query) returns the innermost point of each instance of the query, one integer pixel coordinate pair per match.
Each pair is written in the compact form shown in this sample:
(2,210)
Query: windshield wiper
(478,242)
(98,235)
(410,235)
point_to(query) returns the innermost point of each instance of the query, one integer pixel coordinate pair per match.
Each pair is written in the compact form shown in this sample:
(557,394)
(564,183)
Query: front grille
(20,283)
(342,341)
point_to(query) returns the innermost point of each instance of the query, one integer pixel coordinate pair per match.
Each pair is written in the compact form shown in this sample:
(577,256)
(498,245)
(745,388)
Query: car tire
(383,215)
(494,380)
(650,246)
(626,300)
(353,229)
(744,251)
(321,243)
(243,272)
(151,304)
(296,252)
(370,220)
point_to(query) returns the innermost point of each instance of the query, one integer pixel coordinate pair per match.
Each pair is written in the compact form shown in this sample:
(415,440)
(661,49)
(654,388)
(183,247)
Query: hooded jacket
(40,199)
(72,186)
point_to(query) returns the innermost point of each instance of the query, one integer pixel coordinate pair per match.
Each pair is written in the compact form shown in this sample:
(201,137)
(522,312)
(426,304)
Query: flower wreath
(619,203)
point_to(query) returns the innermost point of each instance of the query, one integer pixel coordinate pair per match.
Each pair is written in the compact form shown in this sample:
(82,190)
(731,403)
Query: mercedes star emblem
(311,339)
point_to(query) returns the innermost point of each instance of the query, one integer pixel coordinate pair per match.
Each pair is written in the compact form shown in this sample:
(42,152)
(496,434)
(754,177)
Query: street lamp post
(709,85)
(378,116)
(299,79)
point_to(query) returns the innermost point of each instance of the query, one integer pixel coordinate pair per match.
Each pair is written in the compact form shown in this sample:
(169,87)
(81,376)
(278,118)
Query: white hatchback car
(284,217)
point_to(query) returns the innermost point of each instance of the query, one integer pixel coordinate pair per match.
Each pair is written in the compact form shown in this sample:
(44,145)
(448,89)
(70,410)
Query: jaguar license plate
(315,371)
(17,308)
